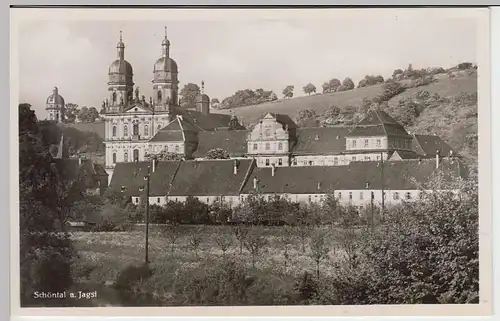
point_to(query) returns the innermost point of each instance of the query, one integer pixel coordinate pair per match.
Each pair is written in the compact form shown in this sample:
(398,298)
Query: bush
(390,89)
(128,280)
(426,251)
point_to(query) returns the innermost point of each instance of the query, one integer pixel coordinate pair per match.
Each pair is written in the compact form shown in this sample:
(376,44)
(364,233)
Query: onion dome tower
(165,79)
(55,106)
(120,83)
(203,101)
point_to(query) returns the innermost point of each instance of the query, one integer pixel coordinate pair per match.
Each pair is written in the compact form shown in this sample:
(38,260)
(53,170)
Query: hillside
(447,108)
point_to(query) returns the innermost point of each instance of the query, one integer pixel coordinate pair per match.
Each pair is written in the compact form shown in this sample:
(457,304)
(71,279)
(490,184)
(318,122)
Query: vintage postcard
(273,161)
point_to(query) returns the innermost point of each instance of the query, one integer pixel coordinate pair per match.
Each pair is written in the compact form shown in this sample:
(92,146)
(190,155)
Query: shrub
(128,279)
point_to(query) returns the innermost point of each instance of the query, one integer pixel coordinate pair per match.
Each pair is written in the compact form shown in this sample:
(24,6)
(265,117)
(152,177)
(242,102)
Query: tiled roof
(285,120)
(378,117)
(233,141)
(428,145)
(210,177)
(205,122)
(378,123)
(355,176)
(315,140)
(175,131)
(131,175)
(407,154)
(168,136)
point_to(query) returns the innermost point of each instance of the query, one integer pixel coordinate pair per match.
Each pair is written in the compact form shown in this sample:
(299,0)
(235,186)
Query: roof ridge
(247,176)
(170,184)
(381,122)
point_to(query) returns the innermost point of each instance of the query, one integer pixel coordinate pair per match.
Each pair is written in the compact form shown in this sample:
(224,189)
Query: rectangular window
(309,198)
(350,195)
(395,195)
(340,195)
(367,158)
(254,146)
(268,146)
(361,195)
(294,161)
(378,158)
(335,161)
(354,143)
(373,195)
(280,146)
(354,158)
(158,200)
(366,142)
(267,161)
(379,143)
(408,195)
(280,162)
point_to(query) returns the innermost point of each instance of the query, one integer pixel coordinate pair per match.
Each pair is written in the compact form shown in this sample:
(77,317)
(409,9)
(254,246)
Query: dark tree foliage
(46,253)
(188,95)
(247,97)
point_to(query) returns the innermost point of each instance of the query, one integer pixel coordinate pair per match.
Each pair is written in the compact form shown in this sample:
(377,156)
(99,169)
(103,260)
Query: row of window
(395,196)
(280,162)
(135,130)
(366,143)
(335,160)
(125,156)
(268,146)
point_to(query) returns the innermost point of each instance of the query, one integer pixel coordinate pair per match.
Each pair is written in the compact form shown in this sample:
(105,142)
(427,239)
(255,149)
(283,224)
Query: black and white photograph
(251,158)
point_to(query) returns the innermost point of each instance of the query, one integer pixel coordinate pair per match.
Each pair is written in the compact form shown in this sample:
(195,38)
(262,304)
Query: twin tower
(121,82)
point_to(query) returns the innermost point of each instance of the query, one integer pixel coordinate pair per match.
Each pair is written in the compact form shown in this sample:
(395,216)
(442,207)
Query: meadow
(104,254)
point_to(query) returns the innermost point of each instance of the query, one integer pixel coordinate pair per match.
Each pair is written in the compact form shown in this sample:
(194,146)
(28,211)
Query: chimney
(79,160)
(255,182)
(273,168)
(319,185)
(437,159)
(154,164)
(235,167)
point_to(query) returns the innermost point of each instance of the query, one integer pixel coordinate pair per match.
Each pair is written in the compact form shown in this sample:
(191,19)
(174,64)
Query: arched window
(135,129)
(114,131)
(125,130)
(176,148)
(114,158)
(146,130)
(113,97)
(125,156)
(136,155)
(159,96)
(268,146)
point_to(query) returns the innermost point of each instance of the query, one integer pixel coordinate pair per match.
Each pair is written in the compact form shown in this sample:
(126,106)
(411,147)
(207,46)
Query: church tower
(120,82)
(165,81)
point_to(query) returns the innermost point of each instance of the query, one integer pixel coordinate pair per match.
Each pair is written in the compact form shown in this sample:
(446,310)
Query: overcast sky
(233,54)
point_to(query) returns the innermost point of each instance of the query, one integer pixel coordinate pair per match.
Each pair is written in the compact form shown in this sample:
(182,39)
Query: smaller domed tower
(203,101)
(165,81)
(55,106)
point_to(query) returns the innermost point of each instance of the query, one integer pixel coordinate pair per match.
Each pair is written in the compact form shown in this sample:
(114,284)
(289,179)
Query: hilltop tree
(309,89)
(370,80)
(214,102)
(188,95)
(331,86)
(71,112)
(247,97)
(288,91)
(88,115)
(347,84)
